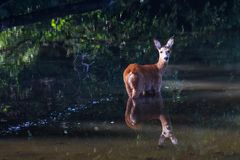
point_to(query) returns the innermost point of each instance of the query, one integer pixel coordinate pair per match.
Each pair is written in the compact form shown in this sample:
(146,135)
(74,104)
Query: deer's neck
(161,65)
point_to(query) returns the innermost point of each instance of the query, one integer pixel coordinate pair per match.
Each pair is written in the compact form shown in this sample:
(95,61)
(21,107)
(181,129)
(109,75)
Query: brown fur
(147,79)
(144,79)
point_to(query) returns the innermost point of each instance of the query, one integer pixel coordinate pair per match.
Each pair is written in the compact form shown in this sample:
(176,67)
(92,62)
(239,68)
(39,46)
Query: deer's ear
(157,44)
(170,42)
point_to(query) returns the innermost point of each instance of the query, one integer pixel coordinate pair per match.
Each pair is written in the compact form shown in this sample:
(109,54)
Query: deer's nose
(165,58)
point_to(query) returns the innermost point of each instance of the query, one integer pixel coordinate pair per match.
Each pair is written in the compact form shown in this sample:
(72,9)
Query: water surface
(201,105)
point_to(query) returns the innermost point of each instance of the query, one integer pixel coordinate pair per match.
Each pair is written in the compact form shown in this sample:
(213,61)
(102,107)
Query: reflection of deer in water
(149,108)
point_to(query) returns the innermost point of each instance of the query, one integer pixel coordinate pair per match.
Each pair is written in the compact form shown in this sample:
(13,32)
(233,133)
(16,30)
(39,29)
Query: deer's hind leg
(135,93)
(129,90)
(134,84)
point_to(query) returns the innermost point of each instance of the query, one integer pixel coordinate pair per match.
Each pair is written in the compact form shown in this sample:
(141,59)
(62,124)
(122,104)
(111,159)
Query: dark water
(200,105)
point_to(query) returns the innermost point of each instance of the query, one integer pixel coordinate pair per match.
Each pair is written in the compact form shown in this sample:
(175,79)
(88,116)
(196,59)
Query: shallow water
(201,106)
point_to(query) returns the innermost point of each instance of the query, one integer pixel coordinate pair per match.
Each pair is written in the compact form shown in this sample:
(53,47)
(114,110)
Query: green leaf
(53,23)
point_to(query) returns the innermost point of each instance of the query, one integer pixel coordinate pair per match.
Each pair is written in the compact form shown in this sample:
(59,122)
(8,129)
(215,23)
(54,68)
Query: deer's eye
(160,51)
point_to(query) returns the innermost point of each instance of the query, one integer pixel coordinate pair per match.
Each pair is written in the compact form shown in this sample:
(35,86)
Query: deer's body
(141,79)
(147,79)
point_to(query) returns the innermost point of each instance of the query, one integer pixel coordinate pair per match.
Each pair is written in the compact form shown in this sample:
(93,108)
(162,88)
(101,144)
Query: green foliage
(123,35)
(58,24)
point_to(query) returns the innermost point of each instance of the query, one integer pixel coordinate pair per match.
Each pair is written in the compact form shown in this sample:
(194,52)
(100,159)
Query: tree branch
(52,12)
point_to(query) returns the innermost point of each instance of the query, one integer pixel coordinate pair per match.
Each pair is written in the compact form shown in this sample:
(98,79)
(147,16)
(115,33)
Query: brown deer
(149,108)
(144,79)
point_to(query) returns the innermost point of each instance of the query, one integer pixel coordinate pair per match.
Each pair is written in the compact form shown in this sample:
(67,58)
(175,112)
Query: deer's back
(147,72)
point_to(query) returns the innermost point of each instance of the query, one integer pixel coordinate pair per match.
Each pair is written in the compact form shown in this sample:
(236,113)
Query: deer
(145,109)
(147,79)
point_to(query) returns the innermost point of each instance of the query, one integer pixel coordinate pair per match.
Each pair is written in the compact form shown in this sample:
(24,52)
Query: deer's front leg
(157,90)
(166,131)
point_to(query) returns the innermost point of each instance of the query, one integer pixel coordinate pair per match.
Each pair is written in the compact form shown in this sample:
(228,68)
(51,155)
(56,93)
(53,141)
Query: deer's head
(164,51)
